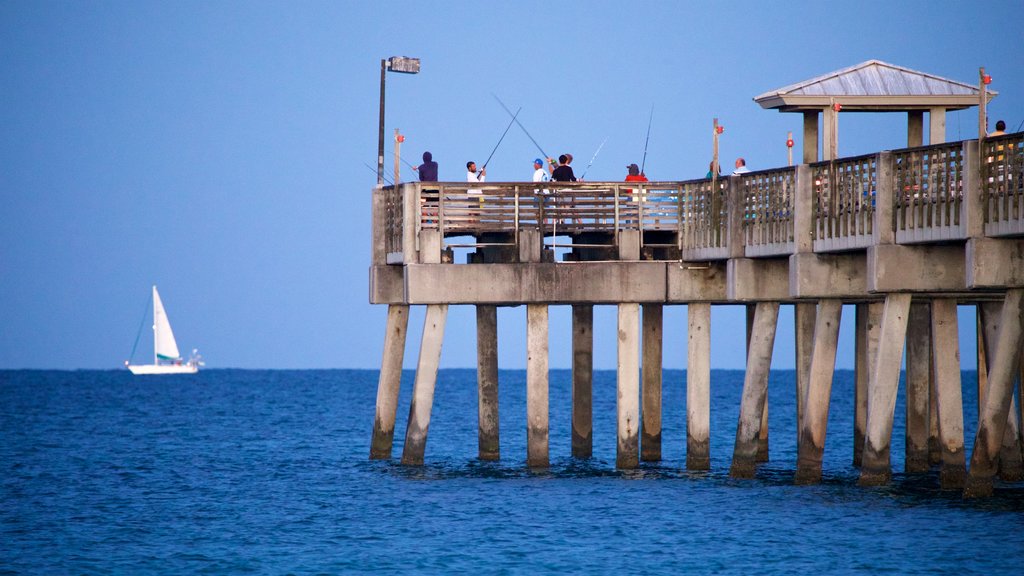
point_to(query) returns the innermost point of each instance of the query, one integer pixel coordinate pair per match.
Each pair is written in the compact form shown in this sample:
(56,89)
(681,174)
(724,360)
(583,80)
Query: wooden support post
(885,377)
(1008,463)
(698,387)
(389,382)
(537,454)
(628,395)
(487,381)
(948,393)
(805,313)
(998,396)
(819,392)
(423,386)
(755,389)
(650,430)
(919,347)
(582,380)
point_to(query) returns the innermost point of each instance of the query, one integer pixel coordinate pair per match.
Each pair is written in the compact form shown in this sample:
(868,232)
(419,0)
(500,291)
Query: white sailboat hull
(153,369)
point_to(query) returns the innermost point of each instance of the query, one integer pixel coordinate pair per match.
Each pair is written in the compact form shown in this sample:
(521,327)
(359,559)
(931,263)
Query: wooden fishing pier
(906,235)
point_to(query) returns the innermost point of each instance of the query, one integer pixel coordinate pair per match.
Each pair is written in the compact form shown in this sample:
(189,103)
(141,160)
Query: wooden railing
(845,194)
(768,211)
(915,195)
(1002,183)
(928,193)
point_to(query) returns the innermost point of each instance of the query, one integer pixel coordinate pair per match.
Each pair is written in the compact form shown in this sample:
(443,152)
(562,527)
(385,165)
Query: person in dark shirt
(427,170)
(564,172)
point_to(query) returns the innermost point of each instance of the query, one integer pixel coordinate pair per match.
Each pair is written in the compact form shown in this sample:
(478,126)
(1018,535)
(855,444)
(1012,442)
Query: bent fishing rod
(647,140)
(542,152)
(374,170)
(500,139)
(594,157)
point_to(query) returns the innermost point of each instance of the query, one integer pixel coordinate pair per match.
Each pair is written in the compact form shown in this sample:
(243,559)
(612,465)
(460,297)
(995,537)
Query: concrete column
(755,389)
(883,225)
(698,387)
(650,430)
(762,434)
(919,348)
(628,395)
(487,381)
(869,320)
(389,382)
(823,365)
(423,386)
(582,380)
(537,455)
(804,331)
(948,394)
(998,396)
(937,126)
(827,133)
(915,128)
(934,444)
(810,137)
(1008,463)
(885,378)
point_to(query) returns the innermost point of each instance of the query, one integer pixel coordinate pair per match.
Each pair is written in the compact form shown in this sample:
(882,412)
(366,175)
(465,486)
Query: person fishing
(634,175)
(564,172)
(428,170)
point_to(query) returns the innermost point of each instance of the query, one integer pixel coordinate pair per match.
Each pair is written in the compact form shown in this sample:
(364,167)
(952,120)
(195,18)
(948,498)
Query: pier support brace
(804,313)
(948,393)
(487,381)
(628,394)
(885,377)
(755,390)
(389,382)
(537,454)
(994,441)
(698,387)
(919,348)
(582,380)
(823,365)
(423,386)
(650,430)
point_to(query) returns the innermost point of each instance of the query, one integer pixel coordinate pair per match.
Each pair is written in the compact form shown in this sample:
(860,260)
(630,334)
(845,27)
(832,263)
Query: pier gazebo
(872,86)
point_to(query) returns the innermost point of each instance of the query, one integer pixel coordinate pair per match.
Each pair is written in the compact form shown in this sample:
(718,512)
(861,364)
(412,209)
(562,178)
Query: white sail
(165,346)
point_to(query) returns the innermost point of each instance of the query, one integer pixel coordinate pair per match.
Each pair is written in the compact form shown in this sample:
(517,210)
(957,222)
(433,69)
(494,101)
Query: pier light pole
(404,65)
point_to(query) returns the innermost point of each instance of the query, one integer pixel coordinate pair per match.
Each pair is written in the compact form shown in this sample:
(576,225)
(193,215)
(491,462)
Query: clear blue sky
(216,149)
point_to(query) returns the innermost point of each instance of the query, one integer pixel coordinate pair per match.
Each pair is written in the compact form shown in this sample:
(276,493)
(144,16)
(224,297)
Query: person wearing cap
(539,174)
(634,175)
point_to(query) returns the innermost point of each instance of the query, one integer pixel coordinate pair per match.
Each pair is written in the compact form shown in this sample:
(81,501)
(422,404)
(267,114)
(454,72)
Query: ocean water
(234,471)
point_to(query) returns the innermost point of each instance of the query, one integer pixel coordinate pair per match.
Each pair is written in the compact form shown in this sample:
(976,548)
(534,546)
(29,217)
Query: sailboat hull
(154,369)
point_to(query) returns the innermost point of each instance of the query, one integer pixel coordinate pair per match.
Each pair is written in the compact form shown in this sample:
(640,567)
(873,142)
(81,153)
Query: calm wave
(236,471)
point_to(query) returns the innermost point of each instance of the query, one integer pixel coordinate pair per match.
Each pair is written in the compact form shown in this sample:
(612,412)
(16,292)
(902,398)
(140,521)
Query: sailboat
(166,358)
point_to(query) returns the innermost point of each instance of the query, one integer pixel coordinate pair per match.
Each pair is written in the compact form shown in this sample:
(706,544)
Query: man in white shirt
(539,174)
(741,167)
(472,176)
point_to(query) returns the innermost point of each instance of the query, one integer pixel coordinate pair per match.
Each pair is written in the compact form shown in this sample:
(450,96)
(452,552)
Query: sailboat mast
(156,333)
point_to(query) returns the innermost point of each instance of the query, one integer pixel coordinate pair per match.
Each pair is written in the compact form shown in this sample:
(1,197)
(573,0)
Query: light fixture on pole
(404,65)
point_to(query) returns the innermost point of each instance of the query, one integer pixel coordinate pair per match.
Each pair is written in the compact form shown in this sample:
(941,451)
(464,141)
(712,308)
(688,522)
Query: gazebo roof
(873,86)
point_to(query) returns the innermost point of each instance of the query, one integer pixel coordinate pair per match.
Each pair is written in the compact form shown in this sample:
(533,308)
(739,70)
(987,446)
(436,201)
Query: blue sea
(267,472)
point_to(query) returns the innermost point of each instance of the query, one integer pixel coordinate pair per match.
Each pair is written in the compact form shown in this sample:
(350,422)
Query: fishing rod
(593,158)
(648,139)
(374,170)
(1019,125)
(500,139)
(542,152)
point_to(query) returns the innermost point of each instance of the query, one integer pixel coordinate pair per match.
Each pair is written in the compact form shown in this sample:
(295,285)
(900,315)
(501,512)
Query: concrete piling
(628,388)
(1008,463)
(487,382)
(389,382)
(755,390)
(650,413)
(885,376)
(919,347)
(762,434)
(582,380)
(804,316)
(423,386)
(537,455)
(948,395)
(819,392)
(698,387)
(998,396)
